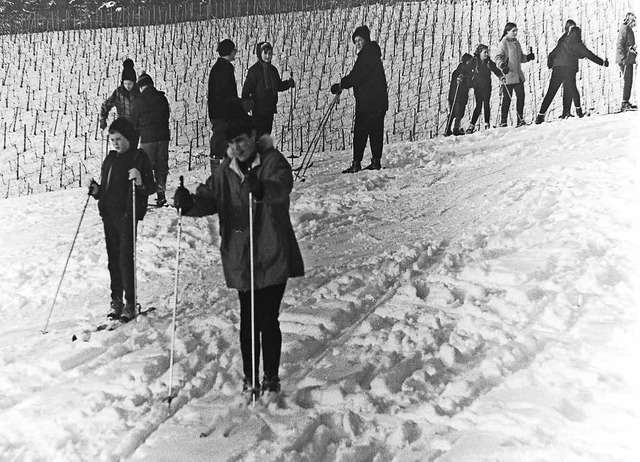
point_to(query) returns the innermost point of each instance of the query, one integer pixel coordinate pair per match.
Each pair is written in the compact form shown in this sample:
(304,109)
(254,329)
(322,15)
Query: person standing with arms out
(565,67)
(372,100)
(122,97)
(482,66)
(261,87)
(509,59)
(221,94)
(150,117)
(114,194)
(458,95)
(255,167)
(626,53)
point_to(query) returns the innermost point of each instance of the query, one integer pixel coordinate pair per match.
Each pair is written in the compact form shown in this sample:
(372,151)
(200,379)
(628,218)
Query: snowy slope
(474,300)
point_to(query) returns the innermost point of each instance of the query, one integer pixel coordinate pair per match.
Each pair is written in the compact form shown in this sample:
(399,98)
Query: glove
(292,83)
(134,174)
(94,188)
(531,56)
(335,89)
(503,79)
(505,69)
(256,187)
(606,62)
(103,124)
(247,105)
(182,199)
(460,79)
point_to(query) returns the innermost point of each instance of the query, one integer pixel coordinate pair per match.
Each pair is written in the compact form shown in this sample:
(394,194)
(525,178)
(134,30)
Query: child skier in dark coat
(262,86)
(482,66)
(123,96)
(461,81)
(122,165)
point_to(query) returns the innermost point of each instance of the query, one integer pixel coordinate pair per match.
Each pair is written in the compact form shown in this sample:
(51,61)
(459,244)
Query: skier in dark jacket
(122,97)
(150,117)
(261,88)
(482,66)
(114,194)
(260,169)
(222,93)
(564,61)
(461,81)
(626,57)
(372,100)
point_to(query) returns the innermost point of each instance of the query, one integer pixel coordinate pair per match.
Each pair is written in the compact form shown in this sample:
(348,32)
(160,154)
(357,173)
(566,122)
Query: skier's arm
(143,164)
(106,107)
(362,70)
(283,85)
(493,68)
(622,44)
(581,50)
(204,200)
(277,179)
(249,86)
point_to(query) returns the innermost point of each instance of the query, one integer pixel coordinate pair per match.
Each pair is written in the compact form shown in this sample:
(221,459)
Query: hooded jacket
(122,99)
(222,90)
(570,49)
(262,86)
(277,256)
(368,81)
(150,115)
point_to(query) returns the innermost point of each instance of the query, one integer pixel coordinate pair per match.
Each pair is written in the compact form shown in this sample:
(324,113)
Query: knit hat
(262,46)
(128,72)
(226,47)
(466,58)
(145,80)
(239,122)
(362,32)
(126,129)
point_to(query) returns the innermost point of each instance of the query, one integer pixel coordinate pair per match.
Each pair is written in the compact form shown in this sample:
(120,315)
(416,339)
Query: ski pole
(253,314)
(175,303)
(64,270)
(453,105)
(135,259)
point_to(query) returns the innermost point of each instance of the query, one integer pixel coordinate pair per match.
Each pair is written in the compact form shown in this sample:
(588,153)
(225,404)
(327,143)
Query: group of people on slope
(474,71)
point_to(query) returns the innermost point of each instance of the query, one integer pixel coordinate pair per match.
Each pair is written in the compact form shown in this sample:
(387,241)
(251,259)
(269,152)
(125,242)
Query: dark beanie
(466,58)
(363,32)
(145,80)
(226,47)
(126,129)
(262,46)
(239,122)
(128,72)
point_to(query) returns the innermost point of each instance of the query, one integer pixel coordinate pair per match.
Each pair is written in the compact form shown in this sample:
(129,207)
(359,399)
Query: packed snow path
(474,299)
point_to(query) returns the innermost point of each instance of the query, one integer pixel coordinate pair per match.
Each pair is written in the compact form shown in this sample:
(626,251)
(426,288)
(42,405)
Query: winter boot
(129,312)
(470,129)
(374,165)
(566,115)
(248,392)
(270,385)
(116,309)
(540,118)
(487,126)
(521,121)
(160,199)
(579,112)
(627,106)
(456,127)
(355,167)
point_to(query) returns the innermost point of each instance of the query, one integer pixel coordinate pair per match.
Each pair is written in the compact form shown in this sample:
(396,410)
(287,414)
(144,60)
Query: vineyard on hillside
(52,83)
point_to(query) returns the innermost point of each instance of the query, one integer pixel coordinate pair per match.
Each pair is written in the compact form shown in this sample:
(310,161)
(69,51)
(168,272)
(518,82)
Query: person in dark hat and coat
(482,66)
(261,88)
(222,92)
(369,83)
(114,194)
(461,81)
(123,96)
(256,167)
(150,117)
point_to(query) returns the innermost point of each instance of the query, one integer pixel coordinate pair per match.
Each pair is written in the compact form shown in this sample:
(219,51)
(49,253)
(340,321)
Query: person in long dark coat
(261,89)
(564,59)
(369,83)
(459,94)
(255,167)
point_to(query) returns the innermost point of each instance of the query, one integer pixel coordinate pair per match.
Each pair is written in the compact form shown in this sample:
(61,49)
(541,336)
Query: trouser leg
(554,84)
(218,143)
(360,136)
(519,91)
(112,239)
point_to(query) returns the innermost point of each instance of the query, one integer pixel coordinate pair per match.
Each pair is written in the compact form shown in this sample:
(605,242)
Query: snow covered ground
(474,300)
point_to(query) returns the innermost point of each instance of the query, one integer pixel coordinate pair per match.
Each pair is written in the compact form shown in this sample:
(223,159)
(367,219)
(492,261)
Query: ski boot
(579,112)
(374,165)
(160,199)
(540,118)
(115,310)
(355,167)
(129,312)
(249,393)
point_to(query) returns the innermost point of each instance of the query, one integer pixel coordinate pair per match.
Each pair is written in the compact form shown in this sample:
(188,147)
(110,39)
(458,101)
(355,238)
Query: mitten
(94,188)
(292,83)
(335,89)
(606,62)
(256,187)
(182,199)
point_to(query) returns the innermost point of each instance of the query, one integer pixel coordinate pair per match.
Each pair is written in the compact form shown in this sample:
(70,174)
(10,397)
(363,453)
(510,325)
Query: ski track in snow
(440,291)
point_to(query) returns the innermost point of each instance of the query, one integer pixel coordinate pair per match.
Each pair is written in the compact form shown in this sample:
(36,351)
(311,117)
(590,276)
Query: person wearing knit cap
(222,92)
(461,79)
(150,116)
(369,83)
(122,97)
(261,89)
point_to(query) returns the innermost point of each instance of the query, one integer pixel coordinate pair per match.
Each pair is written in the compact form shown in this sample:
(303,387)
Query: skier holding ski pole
(372,100)
(459,94)
(124,165)
(254,180)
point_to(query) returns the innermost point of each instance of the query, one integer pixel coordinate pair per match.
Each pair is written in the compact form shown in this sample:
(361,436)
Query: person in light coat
(626,53)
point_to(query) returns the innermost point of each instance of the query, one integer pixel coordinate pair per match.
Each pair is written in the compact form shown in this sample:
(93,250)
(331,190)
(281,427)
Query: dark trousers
(371,127)
(218,143)
(507,94)
(263,124)
(456,109)
(158,154)
(267,329)
(627,75)
(565,76)
(483,96)
(118,233)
